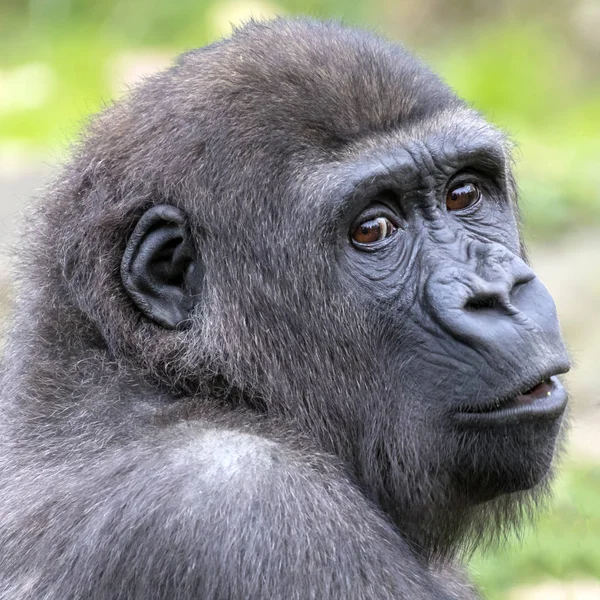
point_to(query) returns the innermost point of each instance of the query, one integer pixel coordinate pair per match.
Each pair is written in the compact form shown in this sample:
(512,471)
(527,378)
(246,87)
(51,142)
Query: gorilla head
(295,248)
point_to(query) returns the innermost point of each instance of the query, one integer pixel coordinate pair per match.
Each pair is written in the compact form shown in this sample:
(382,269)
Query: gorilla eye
(374,230)
(462,196)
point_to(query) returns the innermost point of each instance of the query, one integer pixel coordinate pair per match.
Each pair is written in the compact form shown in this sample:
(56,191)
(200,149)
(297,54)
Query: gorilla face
(469,336)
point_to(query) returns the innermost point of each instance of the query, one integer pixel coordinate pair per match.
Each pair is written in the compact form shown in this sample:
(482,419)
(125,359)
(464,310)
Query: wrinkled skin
(212,390)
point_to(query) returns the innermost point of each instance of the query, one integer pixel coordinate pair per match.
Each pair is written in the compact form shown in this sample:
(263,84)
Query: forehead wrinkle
(451,124)
(351,183)
(388,160)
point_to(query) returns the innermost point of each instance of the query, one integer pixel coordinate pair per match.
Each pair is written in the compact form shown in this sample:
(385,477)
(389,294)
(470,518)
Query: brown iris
(462,196)
(373,231)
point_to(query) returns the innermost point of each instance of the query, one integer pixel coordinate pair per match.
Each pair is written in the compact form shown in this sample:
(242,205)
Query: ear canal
(160,270)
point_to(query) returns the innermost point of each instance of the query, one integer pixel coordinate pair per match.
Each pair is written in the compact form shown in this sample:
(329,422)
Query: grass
(563,545)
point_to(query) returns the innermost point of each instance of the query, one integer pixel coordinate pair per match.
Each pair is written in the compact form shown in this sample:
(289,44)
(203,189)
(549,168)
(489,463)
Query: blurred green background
(531,67)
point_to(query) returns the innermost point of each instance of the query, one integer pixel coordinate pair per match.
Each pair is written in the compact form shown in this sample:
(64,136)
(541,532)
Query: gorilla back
(276,337)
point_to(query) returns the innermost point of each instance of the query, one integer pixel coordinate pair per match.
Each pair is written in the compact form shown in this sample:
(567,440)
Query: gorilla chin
(518,436)
(277,337)
(515,460)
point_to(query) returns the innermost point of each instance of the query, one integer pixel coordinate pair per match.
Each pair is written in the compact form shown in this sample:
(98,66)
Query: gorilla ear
(160,269)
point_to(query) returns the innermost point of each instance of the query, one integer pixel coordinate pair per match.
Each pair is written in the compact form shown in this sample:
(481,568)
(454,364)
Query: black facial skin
(214,389)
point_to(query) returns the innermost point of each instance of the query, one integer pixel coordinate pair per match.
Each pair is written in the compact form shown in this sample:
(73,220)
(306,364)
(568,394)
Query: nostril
(482,302)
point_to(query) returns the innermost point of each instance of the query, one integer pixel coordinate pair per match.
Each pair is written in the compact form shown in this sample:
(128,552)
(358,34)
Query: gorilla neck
(447,523)
(452,513)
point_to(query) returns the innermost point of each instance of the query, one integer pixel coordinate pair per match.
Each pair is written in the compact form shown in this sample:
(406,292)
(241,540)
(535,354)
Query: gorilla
(276,338)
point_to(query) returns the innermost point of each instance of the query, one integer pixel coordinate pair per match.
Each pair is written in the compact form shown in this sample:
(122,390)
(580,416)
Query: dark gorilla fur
(293,435)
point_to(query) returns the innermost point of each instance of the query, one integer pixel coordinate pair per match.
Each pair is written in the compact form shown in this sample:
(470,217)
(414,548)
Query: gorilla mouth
(545,400)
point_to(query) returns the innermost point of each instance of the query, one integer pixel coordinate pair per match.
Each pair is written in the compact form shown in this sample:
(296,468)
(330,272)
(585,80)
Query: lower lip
(546,401)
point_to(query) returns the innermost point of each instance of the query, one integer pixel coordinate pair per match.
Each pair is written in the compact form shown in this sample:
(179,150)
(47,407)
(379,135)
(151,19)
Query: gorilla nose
(513,313)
